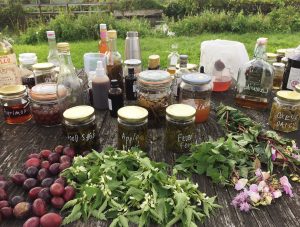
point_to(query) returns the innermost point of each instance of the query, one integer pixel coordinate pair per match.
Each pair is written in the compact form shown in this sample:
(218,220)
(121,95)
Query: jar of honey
(15,104)
(44,73)
(132,128)
(195,90)
(80,128)
(44,104)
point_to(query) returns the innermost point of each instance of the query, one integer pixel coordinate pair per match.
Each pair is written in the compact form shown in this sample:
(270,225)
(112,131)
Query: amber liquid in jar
(171,70)
(251,103)
(17,114)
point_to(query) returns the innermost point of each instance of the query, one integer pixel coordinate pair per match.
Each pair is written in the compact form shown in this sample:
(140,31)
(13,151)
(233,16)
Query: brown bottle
(115,98)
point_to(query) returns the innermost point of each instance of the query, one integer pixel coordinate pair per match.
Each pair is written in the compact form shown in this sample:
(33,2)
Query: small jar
(15,104)
(44,73)
(154,92)
(27,60)
(278,75)
(285,112)
(132,128)
(154,62)
(132,63)
(280,54)
(271,58)
(180,131)
(80,128)
(44,104)
(195,90)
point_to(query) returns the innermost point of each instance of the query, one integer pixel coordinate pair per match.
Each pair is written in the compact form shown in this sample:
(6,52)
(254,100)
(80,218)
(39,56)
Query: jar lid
(281,51)
(272,55)
(132,62)
(183,57)
(180,111)
(43,92)
(10,90)
(154,77)
(279,64)
(112,34)
(133,113)
(289,95)
(63,47)
(153,61)
(78,114)
(43,66)
(27,58)
(196,78)
(297,88)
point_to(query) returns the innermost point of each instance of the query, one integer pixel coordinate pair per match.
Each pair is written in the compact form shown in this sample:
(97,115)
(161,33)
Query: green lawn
(161,46)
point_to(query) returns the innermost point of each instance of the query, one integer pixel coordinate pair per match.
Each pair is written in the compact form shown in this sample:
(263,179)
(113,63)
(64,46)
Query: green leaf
(188,211)
(70,204)
(181,202)
(123,221)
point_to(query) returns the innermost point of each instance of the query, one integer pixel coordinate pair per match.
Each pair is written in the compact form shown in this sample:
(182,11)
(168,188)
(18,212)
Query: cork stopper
(112,34)
(63,47)
(153,61)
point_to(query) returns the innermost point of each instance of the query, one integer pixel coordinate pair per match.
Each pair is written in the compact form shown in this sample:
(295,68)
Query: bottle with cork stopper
(154,62)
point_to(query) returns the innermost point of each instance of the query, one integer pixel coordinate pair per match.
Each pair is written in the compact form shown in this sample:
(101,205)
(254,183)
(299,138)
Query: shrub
(12,16)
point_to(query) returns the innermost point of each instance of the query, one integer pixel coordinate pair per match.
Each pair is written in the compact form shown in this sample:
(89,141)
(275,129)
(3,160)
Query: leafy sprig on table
(128,187)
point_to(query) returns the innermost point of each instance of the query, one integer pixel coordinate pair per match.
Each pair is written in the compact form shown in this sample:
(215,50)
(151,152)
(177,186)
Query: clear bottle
(53,53)
(255,80)
(115,98)
(102,45)
(183,61)
(173,59)
(69,87)
(130,85)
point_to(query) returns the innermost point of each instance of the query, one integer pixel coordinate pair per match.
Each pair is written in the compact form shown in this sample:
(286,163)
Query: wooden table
(17,141)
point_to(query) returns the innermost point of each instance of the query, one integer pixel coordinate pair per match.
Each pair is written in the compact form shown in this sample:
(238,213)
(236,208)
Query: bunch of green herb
(128,187)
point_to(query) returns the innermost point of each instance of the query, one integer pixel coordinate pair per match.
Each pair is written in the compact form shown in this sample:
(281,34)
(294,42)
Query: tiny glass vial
(285,112)
(80,128)
(180,131)
(15,104)
(278,75)
(27,60)
(132,128)
(44,73)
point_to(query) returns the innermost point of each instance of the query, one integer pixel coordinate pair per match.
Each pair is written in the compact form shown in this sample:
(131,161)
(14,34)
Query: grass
(161,46)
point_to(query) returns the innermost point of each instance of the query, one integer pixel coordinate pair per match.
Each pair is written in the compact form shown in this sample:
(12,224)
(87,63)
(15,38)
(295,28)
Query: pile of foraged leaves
(126,186)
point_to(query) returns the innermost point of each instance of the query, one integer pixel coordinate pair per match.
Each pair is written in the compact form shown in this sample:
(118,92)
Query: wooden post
(40,8)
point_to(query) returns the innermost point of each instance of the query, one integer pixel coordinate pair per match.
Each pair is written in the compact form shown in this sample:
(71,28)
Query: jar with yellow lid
(154,62)
(80,128)
(271,58)
(180,131)
(44,72)
(285,112)
(15,104)
(280,54)
(132,128)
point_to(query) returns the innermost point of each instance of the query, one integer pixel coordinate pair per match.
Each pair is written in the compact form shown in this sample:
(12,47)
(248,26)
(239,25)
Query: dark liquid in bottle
(115,72)
(17,114)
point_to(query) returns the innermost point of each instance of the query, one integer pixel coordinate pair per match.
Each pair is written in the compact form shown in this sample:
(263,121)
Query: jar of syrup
(15,104)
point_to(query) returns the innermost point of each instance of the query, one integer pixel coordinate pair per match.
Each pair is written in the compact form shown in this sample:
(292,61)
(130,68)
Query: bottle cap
(63,47)
(103,26)
(183,57)
(155,77)
(180,112)
(28,58)
(112,34)
(134,114)
(11,90)
(100,71)
(50,34)
(114,83)
(43,92)
(153,61)
(79,114)
(132,34)
(43,66)
(132,62)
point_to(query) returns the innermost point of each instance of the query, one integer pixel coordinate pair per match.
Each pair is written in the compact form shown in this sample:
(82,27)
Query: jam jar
(180,131)
(44,104)
(285,112)
(154,92)
(80,128)
(195,90)
(132,128)
(15,104)
(44,73)
(27,60)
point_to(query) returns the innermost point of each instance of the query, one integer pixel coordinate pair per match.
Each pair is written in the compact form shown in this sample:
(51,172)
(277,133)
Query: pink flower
(273,157)
(245,207)
(258,172)
(253,188)
(287,187)
(296,156)
(261,186)
(295,146)
(276,194)
(265,175)
(254,196)
(241,184)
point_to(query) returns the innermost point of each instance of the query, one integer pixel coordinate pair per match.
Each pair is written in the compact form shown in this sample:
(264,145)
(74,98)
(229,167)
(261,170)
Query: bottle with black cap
(115,98)
(130,85)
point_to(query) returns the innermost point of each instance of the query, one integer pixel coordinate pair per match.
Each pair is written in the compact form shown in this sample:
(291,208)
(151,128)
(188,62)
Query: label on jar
(16,111)
(185,141)
(294,78)
(9,71)
(287,121)
(252,86)
(81,137)
(109,104)
(129,141)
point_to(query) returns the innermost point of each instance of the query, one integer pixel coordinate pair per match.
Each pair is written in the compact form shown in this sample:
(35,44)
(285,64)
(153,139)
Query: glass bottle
(69,87)
(173,60)
(130,85)
(102,46)
(114,59)
(53,53)
(115,98)
(183,61)
(255,80)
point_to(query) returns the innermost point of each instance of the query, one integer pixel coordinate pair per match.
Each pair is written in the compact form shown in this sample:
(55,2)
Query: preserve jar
(44,104)
(271,58)
(44,72)
(80,128)
(278,75)
(285,112)
(132,128)
(27,60)
(132,63)
(195,90)
(180,131)
(15,104)
(154,92)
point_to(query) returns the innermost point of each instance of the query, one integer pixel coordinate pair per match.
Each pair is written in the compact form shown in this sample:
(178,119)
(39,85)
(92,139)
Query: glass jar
(285,112)
(154,62)
(27,60)
(15,104)
(44,73)
(195,90)
(80,128)
(271,58)
(280,54)
(132,63)
(154,92)
(44,104)
(132,128)
(278,75)
(180,131)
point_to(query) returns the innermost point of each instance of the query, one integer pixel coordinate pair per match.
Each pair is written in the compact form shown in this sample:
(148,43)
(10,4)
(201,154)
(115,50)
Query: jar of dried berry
(44,73)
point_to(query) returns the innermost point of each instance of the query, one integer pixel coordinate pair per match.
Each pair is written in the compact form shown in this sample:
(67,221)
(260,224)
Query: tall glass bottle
(102,46)
(114,59)
(69,87)
(173,60)
(255,80)
(53,54)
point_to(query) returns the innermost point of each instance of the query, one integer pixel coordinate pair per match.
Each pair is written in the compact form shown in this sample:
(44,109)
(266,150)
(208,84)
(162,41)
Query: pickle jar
(80,128)
(285,112)
(132,63)
(154,92)
(278,75)
(195,90)
(180,131)
(44,104)
(44,73)
(15,104)
(132,128)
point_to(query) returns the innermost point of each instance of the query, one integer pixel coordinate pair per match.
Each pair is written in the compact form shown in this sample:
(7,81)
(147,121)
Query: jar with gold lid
(44,73)
(132,128)
(180,128)
(15,104)
(285,112)
(154,62)
(80,128)
(271,58)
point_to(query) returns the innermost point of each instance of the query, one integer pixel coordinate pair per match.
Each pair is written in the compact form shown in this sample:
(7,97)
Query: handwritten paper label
(10,112)
(81,137)
(185,141)
(9,71)
(130,140)
(294,78)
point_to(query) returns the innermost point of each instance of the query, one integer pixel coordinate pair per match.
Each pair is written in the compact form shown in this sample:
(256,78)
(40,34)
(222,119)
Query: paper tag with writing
(9,71)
